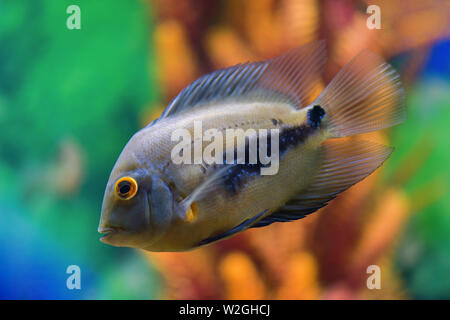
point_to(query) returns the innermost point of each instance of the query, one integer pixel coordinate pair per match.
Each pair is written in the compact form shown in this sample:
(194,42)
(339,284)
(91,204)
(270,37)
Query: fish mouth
(107,232)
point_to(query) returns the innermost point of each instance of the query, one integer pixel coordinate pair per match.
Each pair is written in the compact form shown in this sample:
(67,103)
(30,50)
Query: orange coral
(241,277)
(300,278)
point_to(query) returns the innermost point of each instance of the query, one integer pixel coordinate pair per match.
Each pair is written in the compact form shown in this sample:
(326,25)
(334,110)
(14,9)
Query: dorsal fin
(290,77)
(344,164)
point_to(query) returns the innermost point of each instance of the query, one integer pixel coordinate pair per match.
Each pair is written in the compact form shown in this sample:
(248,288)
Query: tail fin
(366,95)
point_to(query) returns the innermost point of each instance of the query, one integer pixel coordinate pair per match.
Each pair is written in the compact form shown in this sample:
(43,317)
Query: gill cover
(161,208)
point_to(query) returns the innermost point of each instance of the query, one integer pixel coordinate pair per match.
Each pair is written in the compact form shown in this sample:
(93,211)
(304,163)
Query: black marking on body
(315,116)
(290,137)
(276,122)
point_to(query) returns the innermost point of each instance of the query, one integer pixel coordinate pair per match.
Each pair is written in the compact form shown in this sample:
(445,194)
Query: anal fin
(241,227)
(345,162)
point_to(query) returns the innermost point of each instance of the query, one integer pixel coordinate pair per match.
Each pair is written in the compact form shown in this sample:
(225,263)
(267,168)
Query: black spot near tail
(315,116)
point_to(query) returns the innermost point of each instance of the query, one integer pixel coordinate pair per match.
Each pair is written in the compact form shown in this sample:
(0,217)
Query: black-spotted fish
(152,202)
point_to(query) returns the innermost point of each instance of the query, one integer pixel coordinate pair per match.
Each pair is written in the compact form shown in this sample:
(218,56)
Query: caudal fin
(366,95)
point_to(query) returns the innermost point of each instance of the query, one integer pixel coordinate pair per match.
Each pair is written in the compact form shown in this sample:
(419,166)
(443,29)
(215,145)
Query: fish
(155,203)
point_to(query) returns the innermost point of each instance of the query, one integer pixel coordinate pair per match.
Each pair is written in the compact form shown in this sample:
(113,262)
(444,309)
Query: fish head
(125,210)
(126,213)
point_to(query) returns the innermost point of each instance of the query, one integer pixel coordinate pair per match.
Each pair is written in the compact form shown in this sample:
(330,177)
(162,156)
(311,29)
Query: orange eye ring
(126,188)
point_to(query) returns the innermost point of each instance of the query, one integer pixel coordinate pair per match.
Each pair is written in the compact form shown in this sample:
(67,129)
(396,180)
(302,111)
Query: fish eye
(126,188)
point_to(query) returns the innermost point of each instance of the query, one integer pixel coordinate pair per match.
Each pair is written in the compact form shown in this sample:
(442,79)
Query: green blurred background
(71,99)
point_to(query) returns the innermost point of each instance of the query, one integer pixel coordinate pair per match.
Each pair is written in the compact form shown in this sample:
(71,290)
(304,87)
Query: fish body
(180,206)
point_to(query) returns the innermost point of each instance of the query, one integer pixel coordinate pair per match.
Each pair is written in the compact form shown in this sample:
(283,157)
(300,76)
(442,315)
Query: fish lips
(108,233)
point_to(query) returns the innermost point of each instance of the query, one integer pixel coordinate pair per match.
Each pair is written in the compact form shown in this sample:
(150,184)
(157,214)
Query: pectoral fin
(186,209)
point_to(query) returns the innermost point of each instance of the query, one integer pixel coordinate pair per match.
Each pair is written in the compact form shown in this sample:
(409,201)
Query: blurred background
(71,99)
